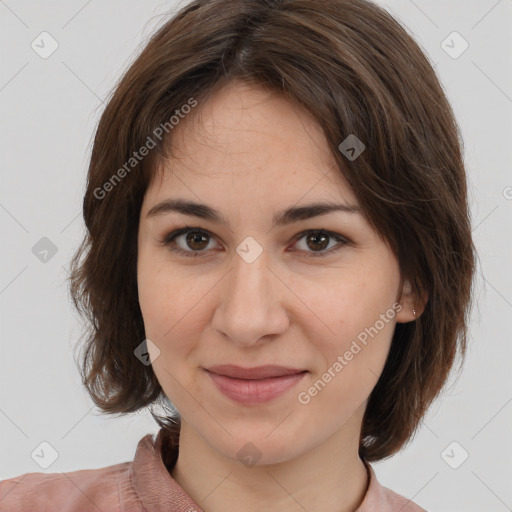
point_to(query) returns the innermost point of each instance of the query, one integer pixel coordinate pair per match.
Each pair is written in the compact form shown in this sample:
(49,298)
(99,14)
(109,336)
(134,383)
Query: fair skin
(250,155)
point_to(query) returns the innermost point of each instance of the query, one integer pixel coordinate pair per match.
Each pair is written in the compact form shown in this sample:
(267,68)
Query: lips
(257,385)
(257,372)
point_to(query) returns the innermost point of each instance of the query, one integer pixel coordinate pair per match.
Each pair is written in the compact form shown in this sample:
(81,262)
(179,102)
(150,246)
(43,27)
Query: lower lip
(255,391)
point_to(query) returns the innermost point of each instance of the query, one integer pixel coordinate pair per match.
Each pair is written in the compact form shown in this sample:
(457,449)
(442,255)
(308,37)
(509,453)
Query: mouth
(254,385)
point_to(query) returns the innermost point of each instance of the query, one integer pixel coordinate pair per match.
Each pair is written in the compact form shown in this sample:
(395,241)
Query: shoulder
(400,503)
(74,491)
(383,499)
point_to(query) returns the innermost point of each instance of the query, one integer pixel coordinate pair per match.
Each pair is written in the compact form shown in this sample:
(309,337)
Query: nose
(252,303)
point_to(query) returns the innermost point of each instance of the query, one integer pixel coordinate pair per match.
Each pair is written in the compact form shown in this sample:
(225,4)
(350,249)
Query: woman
(279,247)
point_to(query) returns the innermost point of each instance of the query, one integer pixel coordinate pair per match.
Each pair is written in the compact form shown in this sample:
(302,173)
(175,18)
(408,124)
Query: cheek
(154,299)
(350,371)
(172,308)
(360,354)
(353,320)
(160,292)
(337,309)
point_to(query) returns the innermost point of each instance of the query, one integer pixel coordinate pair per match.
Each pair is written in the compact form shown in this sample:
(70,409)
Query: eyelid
(171,236)
(341,239)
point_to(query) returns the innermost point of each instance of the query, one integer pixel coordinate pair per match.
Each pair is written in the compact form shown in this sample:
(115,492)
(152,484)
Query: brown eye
(188,241)
(317,241)
(196,240)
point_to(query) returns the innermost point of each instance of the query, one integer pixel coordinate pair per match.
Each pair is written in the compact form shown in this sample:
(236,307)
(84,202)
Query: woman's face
(255,289)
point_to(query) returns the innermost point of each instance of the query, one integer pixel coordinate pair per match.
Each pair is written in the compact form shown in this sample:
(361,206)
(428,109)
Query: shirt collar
(157,490)
(150,477)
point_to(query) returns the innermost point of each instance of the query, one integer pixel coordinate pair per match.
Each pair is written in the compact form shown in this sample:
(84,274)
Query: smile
(254,385)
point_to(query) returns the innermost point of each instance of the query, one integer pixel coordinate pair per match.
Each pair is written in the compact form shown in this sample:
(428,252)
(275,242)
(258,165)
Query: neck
(216,483)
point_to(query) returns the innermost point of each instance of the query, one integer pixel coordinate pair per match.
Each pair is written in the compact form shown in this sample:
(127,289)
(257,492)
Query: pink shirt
(144,484)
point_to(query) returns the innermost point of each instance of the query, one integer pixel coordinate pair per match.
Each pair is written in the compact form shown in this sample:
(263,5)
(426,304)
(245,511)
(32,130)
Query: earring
(414,313)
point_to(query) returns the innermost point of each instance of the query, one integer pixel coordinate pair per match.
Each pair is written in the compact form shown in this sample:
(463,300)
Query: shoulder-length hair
(357,71)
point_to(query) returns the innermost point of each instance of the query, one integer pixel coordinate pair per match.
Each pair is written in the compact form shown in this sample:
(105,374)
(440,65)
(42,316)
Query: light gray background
(49,110)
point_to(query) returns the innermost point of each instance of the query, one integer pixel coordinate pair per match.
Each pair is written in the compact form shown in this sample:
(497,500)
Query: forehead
(244,138)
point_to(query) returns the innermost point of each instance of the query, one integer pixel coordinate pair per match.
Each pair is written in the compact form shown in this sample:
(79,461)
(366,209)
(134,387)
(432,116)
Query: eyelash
(195,254)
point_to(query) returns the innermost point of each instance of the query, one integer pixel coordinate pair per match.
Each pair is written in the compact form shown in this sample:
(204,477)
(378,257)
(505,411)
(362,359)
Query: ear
(410,302)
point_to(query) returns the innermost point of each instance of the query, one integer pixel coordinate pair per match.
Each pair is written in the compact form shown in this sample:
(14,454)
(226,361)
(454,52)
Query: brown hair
(357,71)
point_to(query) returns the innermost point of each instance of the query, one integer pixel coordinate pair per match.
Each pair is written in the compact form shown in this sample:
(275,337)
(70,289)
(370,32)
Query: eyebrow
(284,217)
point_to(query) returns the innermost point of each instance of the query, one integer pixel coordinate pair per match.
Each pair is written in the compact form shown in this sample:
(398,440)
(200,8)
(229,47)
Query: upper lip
(256,372)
